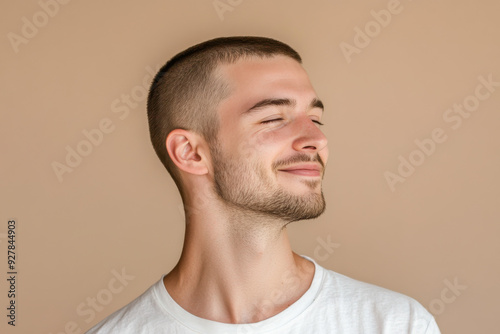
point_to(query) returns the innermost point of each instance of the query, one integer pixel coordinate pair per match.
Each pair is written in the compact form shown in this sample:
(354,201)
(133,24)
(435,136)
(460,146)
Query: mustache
(300,157)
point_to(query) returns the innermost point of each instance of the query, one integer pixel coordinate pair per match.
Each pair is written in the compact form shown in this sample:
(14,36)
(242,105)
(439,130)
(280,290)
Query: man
(236,123)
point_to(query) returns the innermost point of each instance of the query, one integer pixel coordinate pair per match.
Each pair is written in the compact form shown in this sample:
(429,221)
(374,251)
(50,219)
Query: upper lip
(315,167)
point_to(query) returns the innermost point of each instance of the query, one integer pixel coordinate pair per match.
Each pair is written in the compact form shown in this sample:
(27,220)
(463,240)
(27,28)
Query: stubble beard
(247,187)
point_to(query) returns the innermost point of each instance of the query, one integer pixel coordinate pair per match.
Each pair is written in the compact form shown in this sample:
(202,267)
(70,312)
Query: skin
(237,265)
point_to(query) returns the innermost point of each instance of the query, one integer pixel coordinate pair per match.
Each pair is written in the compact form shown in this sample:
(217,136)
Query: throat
(232,287)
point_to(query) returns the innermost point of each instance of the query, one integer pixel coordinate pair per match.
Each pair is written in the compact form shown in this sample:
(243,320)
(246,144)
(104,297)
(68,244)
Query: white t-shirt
(333,303)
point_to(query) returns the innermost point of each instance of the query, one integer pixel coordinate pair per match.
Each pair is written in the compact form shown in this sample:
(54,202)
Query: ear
(187,150)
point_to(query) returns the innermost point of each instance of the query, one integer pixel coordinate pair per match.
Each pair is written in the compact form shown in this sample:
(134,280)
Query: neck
(237,268)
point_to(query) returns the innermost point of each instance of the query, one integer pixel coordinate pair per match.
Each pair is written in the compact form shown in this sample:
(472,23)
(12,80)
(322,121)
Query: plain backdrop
(406,211)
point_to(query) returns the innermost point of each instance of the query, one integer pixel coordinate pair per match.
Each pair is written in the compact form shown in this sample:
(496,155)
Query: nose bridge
(308,135)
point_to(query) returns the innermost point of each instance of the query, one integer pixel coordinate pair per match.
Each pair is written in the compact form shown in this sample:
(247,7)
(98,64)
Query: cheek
(254,147)
(258,147)
(246,150)
(274,138)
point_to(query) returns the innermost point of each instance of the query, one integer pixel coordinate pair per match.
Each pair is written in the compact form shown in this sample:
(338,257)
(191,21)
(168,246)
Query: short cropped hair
(186,91)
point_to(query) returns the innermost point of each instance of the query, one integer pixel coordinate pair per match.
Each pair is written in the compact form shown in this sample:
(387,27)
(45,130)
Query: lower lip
(303,172)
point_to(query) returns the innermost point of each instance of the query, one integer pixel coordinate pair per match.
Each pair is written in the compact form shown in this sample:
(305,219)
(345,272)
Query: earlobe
(185,148)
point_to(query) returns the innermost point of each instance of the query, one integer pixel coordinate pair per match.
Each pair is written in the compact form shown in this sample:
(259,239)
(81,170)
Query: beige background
(119,210)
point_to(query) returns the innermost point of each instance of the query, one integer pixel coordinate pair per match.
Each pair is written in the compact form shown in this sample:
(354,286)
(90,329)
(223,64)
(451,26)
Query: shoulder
(136,317)
(347,288)
(372,304)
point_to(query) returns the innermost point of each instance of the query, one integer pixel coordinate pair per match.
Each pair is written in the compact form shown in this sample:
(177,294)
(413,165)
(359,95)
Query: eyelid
(271,120)
(316,119)
(281,119)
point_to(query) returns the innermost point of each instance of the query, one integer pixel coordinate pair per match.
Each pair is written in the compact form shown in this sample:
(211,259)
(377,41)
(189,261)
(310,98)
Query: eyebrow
(315,103)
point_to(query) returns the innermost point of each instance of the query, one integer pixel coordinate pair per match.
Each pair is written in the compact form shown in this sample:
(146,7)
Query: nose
(309,138)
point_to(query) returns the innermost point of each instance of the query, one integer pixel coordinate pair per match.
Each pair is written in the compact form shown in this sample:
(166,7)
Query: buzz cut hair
(186,91)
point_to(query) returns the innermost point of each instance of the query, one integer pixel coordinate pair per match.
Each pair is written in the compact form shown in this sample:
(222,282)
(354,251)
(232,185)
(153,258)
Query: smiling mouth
(303,170)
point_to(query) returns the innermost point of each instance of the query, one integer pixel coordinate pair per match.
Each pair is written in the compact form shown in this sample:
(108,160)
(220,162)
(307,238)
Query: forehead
(253,78)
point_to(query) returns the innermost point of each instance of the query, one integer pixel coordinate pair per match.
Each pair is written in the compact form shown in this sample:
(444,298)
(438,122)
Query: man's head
(252,103)
(187,90)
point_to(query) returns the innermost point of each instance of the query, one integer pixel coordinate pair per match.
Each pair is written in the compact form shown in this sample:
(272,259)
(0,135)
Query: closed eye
(280,119)
(271,120)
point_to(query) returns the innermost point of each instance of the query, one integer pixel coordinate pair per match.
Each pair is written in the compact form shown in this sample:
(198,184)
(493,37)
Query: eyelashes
(271,120)
(281,119)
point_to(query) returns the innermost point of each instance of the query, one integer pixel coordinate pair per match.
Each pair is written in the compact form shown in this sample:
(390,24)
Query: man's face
(270,154)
